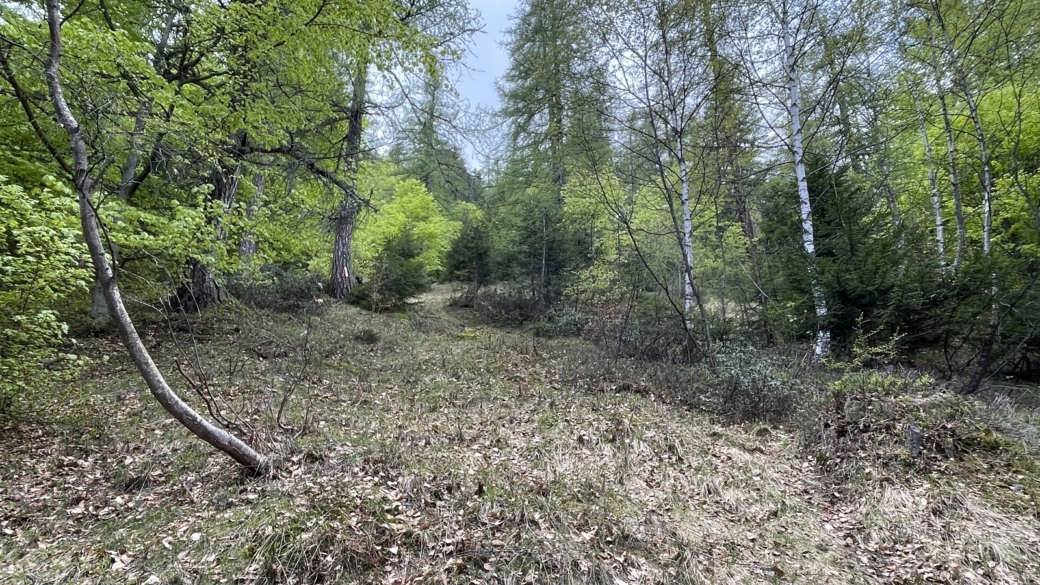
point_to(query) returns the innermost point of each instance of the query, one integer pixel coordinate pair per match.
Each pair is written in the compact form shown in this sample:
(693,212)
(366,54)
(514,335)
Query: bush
(511,307)
(648,333)
(399,273)
(367,336)
(276,288)
(562,322)
(756,386)
(42,262)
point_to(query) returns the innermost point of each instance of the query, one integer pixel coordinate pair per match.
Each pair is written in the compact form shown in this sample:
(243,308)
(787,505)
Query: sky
(487,59)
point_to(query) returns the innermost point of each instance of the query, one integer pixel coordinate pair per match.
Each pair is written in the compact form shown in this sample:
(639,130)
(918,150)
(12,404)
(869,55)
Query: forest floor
(423,448)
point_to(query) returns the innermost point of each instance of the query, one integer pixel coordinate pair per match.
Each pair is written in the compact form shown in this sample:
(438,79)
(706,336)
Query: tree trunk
(691,294)
(823,336)
(202,288)
(933,183)
(545,261)
(982,368)
(247,245)
(727,125)
(955,184)
(343,277)
(99,314)
(219,438)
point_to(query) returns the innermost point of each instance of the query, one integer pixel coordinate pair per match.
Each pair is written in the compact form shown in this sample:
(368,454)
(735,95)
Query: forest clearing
(440,451)
(707,291)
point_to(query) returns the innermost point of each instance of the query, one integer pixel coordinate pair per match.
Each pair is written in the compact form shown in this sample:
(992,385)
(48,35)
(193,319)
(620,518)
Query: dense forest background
(671,178)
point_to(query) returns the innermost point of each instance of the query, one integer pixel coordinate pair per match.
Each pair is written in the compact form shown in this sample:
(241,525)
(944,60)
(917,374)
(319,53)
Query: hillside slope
(423,450)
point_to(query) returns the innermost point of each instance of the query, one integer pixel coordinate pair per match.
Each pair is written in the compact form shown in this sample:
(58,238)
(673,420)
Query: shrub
(562,322)
(42,261)
(367,336)
(755,386)
(277,288)
(398,274)
(511,307)
(644,333)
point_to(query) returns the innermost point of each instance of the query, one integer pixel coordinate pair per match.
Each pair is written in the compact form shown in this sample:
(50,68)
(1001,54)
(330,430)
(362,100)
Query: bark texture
(823,335)
(933,183)
(955,184)
(202,288)
(343,277)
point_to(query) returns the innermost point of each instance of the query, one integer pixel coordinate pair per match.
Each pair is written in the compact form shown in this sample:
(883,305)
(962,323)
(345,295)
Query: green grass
(447,452)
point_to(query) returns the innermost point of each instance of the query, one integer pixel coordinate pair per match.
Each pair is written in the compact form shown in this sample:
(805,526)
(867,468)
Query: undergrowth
(424,447)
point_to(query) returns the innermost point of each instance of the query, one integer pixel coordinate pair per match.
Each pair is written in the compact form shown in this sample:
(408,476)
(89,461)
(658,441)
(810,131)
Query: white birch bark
(823,336)
(961,79)
(933,183)
(691,296)
(955,184)
(676,94)
(973,110)
(684,198)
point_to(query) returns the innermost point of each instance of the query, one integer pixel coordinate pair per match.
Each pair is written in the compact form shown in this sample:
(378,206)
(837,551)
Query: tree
(789,23)
(198,86)
(428,147)
(84,185)
(550,119)
(665,77)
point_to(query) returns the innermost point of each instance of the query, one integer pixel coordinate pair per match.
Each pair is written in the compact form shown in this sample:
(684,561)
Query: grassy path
(440,453)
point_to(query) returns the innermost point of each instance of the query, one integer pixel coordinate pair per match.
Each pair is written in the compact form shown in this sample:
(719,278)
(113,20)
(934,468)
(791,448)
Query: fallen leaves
(467,459)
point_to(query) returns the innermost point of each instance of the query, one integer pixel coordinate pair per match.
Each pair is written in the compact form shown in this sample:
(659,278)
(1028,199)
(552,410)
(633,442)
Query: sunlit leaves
(409,208)
(42,261)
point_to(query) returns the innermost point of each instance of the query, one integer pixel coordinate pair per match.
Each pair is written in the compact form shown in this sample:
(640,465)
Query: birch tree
(796,23)
(661,72)
(933,182)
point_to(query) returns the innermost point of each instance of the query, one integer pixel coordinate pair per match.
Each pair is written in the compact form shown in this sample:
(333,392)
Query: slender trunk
(973,110)
(747,223)
(691,294)
(955,184)
(556,112)
(225,187)
(545,261)
(247,245)
(687,236)
(345,218)
(933,183)
(893,208)
(987,174)
(219,438)
(986,355)
(823,336)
